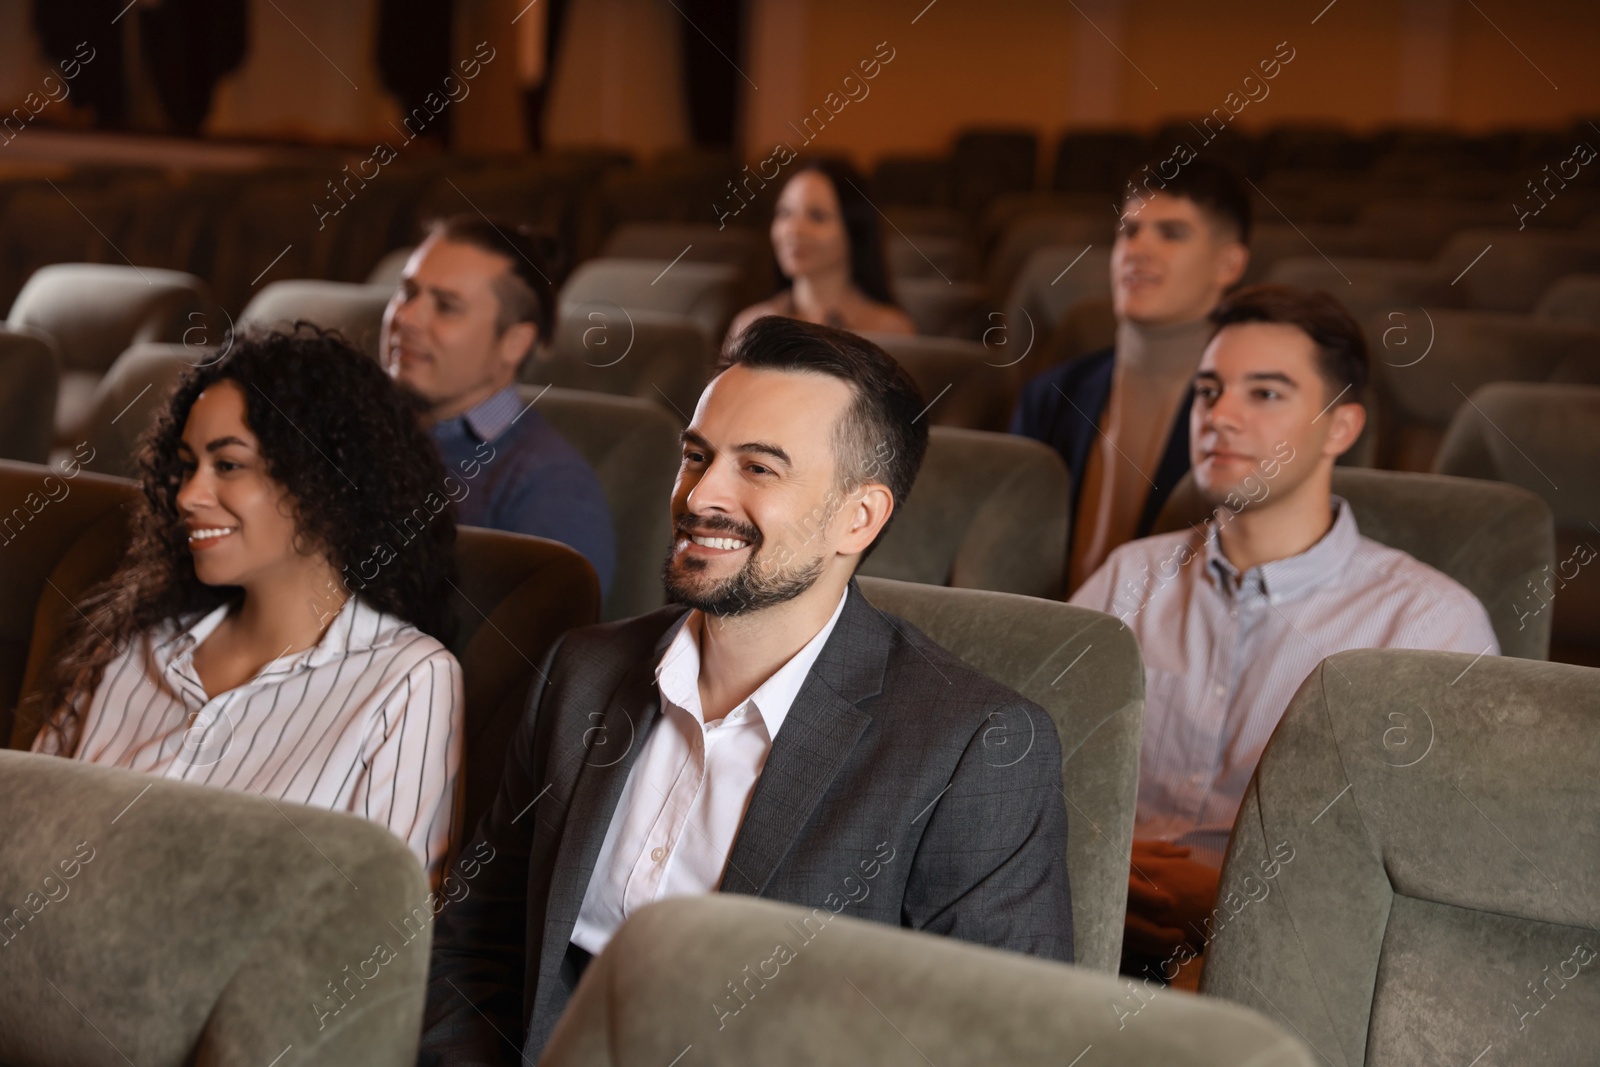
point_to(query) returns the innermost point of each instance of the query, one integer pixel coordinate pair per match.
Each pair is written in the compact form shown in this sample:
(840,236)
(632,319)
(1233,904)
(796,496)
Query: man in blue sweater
(475,299)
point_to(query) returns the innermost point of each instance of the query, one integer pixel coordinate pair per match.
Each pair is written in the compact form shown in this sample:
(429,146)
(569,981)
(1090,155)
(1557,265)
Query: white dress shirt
(1224,652)
(686,794)
(368,721)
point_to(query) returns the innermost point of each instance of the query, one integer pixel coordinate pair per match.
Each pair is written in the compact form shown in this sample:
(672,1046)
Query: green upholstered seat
(1437,831)
(1084,669)
(707,980)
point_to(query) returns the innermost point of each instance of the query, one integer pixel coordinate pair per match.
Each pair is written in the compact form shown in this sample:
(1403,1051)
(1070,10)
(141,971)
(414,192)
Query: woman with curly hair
(276,627)
(826,239)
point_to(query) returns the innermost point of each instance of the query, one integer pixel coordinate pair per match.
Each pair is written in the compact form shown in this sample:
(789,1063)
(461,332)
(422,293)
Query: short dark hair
(884,416)
(1214,187)
(868,268)
(528,292)
(1341,347)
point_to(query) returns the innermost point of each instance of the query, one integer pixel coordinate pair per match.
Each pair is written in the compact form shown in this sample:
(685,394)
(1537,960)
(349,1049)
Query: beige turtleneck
(1153,369)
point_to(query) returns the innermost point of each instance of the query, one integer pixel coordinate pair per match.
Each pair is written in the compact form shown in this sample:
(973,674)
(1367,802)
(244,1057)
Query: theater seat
(945,308)
(387,271)
(1573,300)
(1519,268)
(1434,821)
(852,991)
(130,397)
(1422,388)
(1544,438)
(746,249)
(513,597)
(353,309)
(650,355)
(1052,280)
(1493,539)
(988,511)
(707,293)
(94,311)
(634,449)
(163,924)
(1084,669)
(30,372)
(963,382)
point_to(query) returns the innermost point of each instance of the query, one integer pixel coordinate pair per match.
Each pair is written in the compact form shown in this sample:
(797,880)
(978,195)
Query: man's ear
(516,344)
(1231,264)
(865,515)
(1346,422)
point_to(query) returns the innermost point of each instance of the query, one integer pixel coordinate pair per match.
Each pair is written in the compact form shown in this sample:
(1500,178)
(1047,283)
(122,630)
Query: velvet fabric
(632,446)
(706,293)
(1084,669)
(354,310)
(1414,873)
(162,923)
(987,511)
(1544,438)
(736,980)
(659,356)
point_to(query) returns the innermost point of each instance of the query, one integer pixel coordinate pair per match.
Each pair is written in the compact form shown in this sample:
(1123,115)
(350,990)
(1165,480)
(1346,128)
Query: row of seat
(956,529)
(1440,879)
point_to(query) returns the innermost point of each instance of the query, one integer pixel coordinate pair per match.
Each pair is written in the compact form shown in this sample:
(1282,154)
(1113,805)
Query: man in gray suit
(771,733)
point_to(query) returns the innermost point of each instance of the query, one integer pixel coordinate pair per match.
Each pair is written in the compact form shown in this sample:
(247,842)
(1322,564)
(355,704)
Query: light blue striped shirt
(1225,652)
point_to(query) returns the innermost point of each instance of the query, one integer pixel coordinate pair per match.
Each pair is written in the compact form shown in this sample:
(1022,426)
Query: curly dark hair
(319,409)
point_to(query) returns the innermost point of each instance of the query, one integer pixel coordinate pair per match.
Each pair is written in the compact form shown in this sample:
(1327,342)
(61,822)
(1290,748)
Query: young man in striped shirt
(1231,617)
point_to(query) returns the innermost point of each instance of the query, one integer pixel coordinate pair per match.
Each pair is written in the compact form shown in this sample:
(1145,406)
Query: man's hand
(1169,898)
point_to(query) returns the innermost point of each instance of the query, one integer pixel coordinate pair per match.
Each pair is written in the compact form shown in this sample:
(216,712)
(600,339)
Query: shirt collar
(1286,579)
(358,627)
(678,673)
(492,417)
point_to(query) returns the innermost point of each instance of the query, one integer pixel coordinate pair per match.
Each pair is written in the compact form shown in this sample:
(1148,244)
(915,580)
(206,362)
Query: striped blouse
(1224,652)
(367,721)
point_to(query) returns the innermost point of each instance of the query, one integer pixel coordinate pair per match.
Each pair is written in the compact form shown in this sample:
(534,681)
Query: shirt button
(658,854)
(1220,691)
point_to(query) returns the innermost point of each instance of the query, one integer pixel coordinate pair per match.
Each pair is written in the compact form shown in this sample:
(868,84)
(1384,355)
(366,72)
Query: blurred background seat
(1084,669)
(743,248)
(1545,439)
(94,311)
(1457,873)
(1573,300)
(1493,539)
(353,309)
(959,380)
(30,374)
(988,511)
(263,907)
(832,994)
(940,308)
(128,399)
(604,348)
(1420,388)
(633,446)
(706,293)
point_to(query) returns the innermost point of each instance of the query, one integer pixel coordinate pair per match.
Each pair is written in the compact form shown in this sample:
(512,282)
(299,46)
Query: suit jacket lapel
(821,728)
(610,747)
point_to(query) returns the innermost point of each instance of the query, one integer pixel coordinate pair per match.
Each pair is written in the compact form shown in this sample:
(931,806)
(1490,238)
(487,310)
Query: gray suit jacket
(894,792)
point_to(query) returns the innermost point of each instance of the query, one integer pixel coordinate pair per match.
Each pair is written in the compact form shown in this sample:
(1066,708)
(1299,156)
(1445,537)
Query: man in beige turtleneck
(1119,416)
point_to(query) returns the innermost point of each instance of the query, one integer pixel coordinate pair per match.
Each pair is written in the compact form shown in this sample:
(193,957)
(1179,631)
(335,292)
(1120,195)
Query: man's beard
(753,587)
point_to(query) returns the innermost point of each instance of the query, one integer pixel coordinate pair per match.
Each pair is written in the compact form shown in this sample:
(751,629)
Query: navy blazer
(1063,407)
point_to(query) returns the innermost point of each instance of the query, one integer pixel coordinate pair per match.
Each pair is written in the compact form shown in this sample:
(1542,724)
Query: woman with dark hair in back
(826,240)
(277,625)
